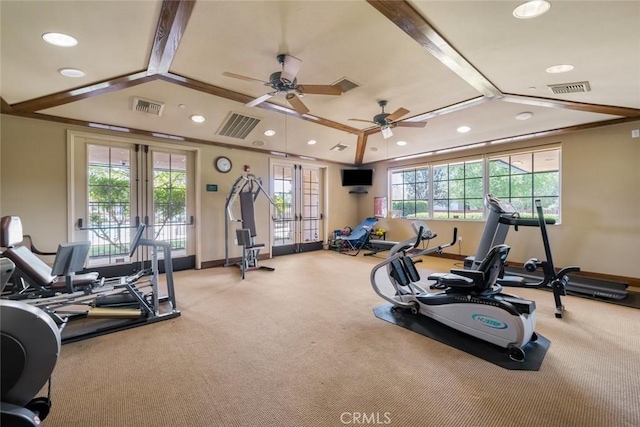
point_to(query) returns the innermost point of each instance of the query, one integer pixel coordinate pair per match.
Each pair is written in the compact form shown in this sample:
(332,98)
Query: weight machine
(247,189)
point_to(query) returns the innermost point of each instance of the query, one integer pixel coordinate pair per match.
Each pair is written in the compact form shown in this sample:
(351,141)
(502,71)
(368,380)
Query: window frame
(415,199)
(455,162)
(532,194)
(485,178)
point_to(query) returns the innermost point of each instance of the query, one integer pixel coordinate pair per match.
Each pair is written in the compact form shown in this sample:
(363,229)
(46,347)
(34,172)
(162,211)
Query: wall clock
(223,164)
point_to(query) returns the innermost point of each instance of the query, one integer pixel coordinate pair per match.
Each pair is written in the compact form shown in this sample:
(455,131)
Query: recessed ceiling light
(182,106)
(59,39)
(559,68)
(269,132)
(526,115)
(312,142)
(258,143)
(71,72)
(198,118)
(463,129)
(401,143)
(373,148)
(531,9)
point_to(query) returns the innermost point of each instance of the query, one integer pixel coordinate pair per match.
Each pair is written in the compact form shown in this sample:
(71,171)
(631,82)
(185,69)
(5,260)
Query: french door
(298,219)
(118,186)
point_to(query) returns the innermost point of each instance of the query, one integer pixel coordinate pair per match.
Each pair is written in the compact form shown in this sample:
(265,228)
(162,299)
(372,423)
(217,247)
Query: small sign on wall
(212,187)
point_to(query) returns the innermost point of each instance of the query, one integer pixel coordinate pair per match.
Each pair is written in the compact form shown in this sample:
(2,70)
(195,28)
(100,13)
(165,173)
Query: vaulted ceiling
(449,63)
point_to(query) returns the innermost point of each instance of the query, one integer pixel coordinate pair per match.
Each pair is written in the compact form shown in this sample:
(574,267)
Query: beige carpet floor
(300,346)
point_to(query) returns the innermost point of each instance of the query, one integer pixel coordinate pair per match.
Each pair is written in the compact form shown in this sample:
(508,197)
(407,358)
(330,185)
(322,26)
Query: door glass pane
(109,204)
(170,199)
(283,199)
(310,206)
(297,194)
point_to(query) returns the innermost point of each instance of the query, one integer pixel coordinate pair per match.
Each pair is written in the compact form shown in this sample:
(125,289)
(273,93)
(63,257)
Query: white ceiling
(334,39)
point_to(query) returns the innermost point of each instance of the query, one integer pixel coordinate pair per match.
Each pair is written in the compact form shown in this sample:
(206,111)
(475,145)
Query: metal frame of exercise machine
(468,301)
(502,216)
(120,299)
(247,188)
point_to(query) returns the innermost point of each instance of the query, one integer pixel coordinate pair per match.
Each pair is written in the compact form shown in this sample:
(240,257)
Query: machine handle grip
(455,236)
(415,245)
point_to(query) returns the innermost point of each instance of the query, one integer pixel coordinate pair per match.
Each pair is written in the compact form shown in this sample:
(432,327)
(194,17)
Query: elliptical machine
(469,301)
(30,341)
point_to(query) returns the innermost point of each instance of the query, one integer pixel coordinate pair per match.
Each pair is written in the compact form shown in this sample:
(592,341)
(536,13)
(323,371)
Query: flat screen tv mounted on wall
(357,177)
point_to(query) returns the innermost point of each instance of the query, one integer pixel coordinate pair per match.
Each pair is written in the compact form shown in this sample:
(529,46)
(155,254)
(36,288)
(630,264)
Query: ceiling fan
(386,121)
(285,81)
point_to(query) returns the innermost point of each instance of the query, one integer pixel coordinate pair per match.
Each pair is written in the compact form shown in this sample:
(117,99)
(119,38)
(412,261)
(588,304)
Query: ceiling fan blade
(320,89)
(411,124)
(360,120)
(259,100)
(397,114)
(290,68)
(238,76)
(297,104)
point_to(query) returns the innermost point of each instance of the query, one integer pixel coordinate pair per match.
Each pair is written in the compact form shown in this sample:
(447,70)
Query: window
(410,193)
(525,177)
(458,190)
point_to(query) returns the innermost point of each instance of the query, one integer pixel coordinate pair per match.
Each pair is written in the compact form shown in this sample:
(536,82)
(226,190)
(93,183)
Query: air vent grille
(339,147)
(238,126)
(154,108)
(346,84)
(570,87)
